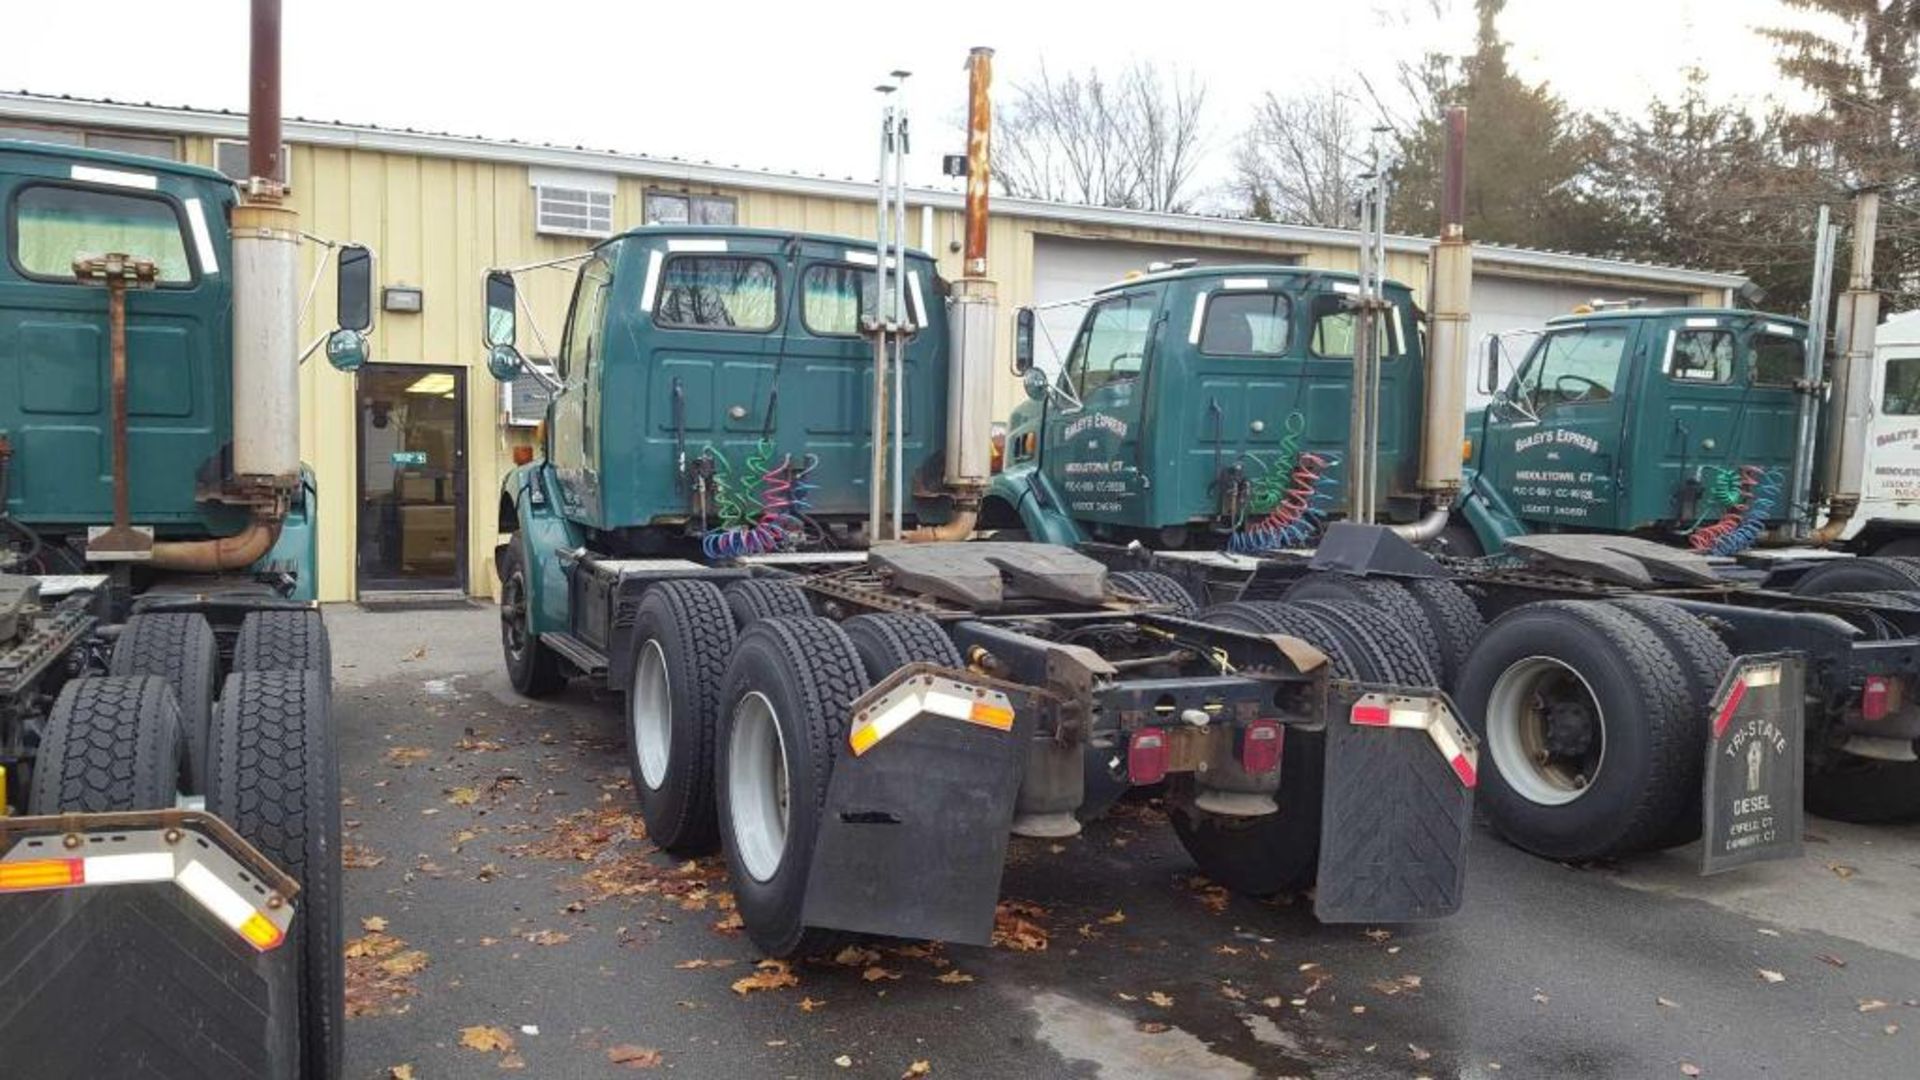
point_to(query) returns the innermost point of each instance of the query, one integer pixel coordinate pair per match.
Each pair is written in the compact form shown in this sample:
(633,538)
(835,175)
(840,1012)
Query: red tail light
(1260,746)
(1147,756)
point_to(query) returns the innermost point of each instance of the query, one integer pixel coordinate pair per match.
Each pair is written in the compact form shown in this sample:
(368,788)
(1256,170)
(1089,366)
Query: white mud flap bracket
(1398,806)
(1755,764)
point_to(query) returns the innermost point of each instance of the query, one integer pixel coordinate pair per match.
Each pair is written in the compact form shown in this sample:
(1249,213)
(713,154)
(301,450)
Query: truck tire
(1388,646)
(1454,619)
(752,599)
(533,669)
(111,744)
(1704,660)
(783,719)
(1389,598)
(1154,586)
(887,643)
(1279,852)
(682,639)
(1865,792)
(181,649)
(1587,720)
(1864,574)
(276,781)
(283,641)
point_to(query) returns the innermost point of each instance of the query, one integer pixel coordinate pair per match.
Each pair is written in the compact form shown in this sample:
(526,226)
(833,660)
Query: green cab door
(1092,437)
(1553,436)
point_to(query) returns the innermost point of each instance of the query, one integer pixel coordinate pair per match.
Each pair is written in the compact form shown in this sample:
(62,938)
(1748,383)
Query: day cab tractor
(1632,670)
(861,720)
(169,808)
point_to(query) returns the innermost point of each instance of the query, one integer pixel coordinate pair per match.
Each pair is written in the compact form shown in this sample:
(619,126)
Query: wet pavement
(505,913)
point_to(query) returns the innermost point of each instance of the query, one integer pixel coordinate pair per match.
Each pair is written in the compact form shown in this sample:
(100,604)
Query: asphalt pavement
(507,915)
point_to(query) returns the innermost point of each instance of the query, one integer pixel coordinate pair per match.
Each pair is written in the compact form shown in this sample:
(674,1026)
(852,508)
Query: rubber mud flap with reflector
(913,837)
(1397,808)
(1755,751)
(161,929)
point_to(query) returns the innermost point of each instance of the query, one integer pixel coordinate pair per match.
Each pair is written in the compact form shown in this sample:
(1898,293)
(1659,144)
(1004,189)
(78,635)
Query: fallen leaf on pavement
(407,963)
(1770,975)
(374,923)
(1829,958)
(355,857)
(549,937)
(1666,1003)
(855,956)
(843,1061)
(1114,919)
(877,973)
(1868,1005)
(1225,950)
(1688,1068)
(634,1057)
(808,1004)
(1152,1027)
(400,1072)
(407,755)
(513,1061)
(1390,987)
(1160,999)
(419,653)
(462,796)
(1015,926)
(954,978)
(486,1039)
(1841,870)
(1419,1053)
(768,975)
(918,1068)
(730,925)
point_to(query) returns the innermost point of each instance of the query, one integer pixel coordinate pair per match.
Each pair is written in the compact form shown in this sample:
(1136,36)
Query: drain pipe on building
(1450,288)
(973,319)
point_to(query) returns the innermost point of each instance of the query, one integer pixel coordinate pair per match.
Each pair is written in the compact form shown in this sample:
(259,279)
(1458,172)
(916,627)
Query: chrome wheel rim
(757,786)
(650,714)
(1546,731)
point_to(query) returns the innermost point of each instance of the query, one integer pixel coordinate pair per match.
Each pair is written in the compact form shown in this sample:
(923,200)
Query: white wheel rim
(1517,731)
(650,709)
(757,786)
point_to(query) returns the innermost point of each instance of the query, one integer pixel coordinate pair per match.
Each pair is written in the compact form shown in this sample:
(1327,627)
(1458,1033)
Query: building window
(52,225)
(574,212)
(157,146)
(667,208)
(230,158)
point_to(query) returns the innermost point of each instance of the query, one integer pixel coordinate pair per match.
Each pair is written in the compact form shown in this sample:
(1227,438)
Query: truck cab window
(1778,361)
(52,224)
(1247,324)
(833,298)
(1333,335)
(1112,345)
(1901,397)
(1703,356)
(718,292)
(583,320)
(1575,366)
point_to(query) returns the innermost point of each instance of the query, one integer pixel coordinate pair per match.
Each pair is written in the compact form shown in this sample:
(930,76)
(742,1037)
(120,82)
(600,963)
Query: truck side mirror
(1023,341)
(1490,379)
(353,285)
(502,305)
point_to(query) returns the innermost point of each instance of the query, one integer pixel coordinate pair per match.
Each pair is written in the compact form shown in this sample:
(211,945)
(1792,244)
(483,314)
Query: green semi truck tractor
(169,850)
(1641,478)
(764,454)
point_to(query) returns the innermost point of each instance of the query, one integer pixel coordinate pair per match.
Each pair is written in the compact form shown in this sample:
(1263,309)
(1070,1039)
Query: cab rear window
(52,225)
(1778,361)
(1247,324)
(833,298)
(718,292)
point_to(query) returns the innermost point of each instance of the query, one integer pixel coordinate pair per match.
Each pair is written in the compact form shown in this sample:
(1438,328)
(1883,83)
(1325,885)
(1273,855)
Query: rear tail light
(1260,746)
(1880,697)
(1147,756)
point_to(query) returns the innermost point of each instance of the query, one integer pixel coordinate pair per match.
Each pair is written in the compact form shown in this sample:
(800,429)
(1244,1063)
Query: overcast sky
(788,85)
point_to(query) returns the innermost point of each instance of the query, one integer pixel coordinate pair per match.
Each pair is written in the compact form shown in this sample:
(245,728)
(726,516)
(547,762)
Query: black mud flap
(1397,809)
(1755,755)
(914,835)
(141,977)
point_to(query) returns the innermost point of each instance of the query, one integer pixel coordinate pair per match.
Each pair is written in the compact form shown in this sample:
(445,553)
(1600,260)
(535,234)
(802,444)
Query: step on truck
(1640,658)
(169,806)
(832,693)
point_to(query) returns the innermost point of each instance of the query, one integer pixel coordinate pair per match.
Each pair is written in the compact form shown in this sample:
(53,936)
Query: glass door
(413,478)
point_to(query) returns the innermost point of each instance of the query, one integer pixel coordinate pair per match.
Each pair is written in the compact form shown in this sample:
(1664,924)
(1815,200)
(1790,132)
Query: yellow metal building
(439,210)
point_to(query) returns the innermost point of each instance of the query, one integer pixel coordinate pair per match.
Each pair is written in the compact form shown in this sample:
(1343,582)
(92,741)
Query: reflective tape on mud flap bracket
(934,695)
(1430,715)
(151,856)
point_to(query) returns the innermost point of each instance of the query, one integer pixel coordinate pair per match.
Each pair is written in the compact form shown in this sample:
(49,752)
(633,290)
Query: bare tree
(1131,142)
(1300,159)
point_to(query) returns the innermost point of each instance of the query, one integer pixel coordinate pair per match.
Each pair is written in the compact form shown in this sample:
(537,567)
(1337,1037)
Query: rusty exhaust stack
(263,92)
(1443,430)
(972,323)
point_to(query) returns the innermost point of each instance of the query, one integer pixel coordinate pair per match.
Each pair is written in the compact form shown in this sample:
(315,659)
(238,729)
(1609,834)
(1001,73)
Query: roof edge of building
(220,124)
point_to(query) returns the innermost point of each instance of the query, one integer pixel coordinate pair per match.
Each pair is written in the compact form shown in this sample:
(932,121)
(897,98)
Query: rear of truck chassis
(879,730)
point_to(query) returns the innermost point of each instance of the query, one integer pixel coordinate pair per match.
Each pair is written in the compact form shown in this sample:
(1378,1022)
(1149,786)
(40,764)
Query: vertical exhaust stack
(972,324)
(266,249)
(1849,405)
(1444,425)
